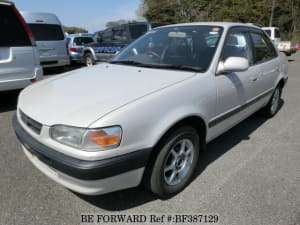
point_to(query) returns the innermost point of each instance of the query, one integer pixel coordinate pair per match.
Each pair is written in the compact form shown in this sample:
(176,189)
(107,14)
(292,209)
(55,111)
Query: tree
(286,12)
(74,30)
(115,23)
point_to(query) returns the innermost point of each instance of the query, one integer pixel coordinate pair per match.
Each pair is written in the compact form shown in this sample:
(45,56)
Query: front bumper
(87,177)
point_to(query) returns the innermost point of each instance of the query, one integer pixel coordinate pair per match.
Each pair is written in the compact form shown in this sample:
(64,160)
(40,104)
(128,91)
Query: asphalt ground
(248,176)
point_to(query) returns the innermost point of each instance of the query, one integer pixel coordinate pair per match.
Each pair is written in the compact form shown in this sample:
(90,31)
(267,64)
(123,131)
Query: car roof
(269,28)
(220,24)
(79,35)
(40,17)
(6,3)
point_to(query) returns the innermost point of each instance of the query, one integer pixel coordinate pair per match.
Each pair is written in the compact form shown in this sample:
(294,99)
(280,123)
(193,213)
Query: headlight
(87,139)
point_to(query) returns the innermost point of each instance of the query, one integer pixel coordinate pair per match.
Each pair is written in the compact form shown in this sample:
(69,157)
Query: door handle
(253,79)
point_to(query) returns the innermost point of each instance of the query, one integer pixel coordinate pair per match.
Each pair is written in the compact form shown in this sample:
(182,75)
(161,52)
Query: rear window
(12,31)
(82,40)
(137,30)
(47,32)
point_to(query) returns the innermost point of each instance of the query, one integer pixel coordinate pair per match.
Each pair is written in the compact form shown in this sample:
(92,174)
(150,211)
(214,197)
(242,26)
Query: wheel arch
(281,83)
(89,50)
(195,121)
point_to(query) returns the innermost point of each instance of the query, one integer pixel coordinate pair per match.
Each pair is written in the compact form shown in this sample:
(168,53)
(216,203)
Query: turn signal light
(104,139)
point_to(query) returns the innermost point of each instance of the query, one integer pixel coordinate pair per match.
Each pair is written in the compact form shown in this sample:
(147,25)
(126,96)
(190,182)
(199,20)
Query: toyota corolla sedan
(145,116)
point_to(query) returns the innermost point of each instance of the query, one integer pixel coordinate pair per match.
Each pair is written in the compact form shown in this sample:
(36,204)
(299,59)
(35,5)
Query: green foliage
(75,30)
(286,12)
(115,23)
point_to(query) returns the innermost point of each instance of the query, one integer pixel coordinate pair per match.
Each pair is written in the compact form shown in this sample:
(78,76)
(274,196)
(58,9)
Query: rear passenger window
(12,31)
(237,45)
(119,34)
(82,40)
(137,30)
(263,48)
(47,32)
(107,35)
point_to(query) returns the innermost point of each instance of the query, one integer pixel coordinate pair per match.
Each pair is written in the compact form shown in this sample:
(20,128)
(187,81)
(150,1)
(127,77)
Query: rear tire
(89,60)
(174,162)
(272,107)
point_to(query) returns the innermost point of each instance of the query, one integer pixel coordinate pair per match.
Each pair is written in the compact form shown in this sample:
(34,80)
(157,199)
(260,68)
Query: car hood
(81,97)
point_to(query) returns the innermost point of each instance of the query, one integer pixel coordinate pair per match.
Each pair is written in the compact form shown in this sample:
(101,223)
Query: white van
(50,38)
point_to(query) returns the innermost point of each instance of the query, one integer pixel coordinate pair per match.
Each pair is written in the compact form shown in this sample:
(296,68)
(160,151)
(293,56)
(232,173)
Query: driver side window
(237,45)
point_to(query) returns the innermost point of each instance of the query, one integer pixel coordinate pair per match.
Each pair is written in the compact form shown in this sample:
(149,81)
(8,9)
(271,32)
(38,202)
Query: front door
(234,89)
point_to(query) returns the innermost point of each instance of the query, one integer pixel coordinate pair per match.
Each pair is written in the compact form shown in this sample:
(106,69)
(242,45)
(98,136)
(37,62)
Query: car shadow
(8,100)
(130,198)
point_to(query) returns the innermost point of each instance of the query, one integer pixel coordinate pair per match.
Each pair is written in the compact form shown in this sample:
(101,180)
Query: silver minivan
(19,59)
(50,38)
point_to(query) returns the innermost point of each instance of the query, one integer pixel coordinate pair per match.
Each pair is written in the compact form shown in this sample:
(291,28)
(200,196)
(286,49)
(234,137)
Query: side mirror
(233,64)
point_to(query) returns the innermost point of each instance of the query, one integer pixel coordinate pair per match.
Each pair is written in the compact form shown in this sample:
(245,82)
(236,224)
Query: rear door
(266,58)
(50,40)
(17,59)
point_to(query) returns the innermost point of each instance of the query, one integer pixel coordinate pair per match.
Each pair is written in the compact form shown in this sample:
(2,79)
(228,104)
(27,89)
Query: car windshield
(268,32)
(180,47)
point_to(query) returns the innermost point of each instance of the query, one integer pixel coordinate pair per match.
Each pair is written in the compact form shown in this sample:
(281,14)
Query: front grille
(32,124)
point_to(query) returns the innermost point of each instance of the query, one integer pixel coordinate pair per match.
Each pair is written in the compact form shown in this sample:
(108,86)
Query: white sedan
(145,116)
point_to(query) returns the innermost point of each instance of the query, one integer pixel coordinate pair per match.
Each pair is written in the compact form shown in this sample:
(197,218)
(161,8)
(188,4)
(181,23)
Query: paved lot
(250,175)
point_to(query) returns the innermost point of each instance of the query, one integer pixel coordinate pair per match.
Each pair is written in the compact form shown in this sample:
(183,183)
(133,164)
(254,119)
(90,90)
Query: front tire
(174,163)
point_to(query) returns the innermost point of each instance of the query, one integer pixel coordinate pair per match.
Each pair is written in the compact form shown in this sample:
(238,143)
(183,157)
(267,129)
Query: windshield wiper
(160,66)
(181,67)
(130,62)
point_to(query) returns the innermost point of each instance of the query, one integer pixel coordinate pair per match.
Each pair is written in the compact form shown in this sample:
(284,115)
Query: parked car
(146,115)
(50,38)
(19,61)
(110,41)
(287,47)
(76,43)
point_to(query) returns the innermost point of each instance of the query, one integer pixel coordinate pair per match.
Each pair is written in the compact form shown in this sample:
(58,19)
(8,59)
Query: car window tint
(277,33)
(237,45)
(12,31)
(82,40)
(107,35)
(47,32)
(263,48)
(119,34)
(268,32)
(137,30)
